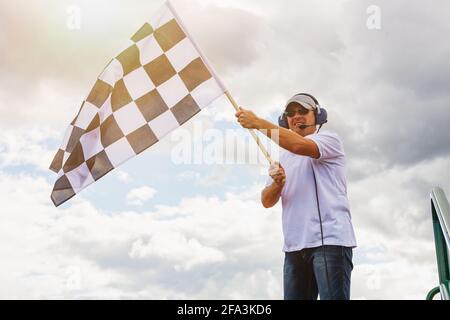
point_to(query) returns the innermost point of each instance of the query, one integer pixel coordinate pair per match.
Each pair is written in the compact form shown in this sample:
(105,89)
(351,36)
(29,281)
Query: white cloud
(123,176)
(26,147)
(176,249)
(138,196)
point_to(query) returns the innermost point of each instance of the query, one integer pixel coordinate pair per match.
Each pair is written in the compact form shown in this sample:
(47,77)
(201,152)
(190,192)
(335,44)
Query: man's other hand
(276,172)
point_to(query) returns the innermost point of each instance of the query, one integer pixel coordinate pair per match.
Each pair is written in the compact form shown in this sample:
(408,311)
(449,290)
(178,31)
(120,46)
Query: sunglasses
(290,112)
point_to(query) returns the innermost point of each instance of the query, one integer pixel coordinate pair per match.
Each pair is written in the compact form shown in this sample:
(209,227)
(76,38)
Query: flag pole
(258,141)
(214,74)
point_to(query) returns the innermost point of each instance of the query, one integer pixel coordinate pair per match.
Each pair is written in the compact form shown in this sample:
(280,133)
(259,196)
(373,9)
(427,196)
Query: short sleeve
(329,144)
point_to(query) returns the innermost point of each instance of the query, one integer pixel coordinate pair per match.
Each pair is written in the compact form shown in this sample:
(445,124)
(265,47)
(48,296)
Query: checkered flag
(159,82)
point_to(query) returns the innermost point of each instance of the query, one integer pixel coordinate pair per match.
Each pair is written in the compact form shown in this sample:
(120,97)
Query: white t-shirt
(300,218)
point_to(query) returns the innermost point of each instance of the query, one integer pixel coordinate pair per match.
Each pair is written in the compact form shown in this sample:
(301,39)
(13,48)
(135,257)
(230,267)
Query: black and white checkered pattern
(155,85)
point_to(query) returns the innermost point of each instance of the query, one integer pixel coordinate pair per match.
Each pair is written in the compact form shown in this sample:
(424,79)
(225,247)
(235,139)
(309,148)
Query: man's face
(299,115)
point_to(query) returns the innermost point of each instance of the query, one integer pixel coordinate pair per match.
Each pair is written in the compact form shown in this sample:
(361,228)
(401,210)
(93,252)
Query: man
(310,180)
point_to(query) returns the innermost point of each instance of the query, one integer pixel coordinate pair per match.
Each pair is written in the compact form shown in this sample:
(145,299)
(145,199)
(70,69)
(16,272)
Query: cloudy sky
(160,229)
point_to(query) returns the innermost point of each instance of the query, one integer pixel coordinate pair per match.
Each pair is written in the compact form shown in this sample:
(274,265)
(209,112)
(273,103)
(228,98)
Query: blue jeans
(305,274)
